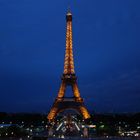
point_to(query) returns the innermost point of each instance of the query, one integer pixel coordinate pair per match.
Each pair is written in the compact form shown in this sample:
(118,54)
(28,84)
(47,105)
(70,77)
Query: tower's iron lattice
(69,78)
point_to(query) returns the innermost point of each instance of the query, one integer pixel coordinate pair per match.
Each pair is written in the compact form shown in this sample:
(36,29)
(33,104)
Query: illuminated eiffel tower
(68,79)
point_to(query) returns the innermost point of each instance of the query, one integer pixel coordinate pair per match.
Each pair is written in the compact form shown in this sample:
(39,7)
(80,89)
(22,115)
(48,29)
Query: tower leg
(52,113)
(84,112)
(76,92)
(62,90)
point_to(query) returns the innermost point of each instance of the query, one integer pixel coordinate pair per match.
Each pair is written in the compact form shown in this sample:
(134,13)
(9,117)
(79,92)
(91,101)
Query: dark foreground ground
(74,139)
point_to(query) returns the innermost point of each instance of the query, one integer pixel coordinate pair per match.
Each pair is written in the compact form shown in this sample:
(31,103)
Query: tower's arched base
(62,104)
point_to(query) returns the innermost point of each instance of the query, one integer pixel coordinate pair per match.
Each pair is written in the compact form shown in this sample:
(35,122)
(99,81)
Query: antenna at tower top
(69,15)
(68,8)
(69,11)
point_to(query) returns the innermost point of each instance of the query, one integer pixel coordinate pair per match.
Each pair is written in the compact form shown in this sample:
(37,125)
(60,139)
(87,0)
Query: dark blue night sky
(106,40)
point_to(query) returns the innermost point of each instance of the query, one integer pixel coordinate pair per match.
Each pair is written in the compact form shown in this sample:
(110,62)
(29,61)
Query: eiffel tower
(69,78)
